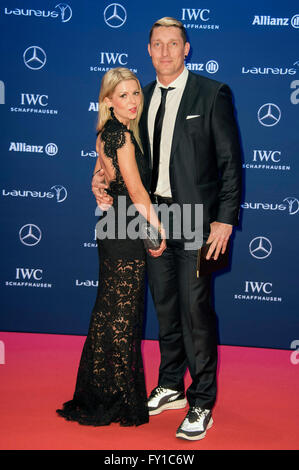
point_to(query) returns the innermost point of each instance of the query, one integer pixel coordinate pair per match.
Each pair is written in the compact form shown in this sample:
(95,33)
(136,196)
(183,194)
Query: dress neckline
(114,118)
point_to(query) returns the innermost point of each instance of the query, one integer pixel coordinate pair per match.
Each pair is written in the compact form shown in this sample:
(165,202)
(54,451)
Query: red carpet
(257,406)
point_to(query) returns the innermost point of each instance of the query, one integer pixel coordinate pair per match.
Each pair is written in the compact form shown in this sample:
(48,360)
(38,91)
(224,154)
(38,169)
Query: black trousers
(187,323)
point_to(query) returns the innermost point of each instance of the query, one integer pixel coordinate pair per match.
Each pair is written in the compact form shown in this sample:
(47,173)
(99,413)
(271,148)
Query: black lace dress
(110,383)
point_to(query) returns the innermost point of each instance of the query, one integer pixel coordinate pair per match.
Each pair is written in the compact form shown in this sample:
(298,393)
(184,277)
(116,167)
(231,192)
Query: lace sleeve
(113,138)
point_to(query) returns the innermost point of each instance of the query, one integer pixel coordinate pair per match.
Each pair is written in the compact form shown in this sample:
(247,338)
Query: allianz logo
(59,193)
(267,20)
(50,149)
(211,66)
(64,12)
(290,204)
(270,70)
(93,106)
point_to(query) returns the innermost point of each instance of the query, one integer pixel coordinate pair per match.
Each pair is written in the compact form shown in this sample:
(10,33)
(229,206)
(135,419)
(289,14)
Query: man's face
(168,51)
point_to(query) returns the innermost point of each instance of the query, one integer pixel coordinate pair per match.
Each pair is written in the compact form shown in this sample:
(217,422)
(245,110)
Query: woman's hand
(162,247)
(98,187)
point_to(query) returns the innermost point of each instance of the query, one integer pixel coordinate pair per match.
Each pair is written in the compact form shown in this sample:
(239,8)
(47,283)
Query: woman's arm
(137,192)
(98,164)
(98,182)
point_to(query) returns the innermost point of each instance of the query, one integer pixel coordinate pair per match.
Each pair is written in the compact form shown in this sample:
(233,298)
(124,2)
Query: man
(194,150)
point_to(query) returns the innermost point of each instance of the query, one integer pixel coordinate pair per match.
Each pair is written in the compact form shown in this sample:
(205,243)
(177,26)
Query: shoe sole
(175,405)
(195,438)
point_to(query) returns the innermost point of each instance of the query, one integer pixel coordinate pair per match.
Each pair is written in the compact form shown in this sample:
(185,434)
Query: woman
(110,383)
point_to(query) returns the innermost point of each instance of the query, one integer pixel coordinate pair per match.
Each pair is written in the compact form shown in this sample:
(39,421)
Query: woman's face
(125,100)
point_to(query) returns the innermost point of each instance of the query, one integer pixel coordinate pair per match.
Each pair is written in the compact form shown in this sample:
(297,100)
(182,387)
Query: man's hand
(218,238)
(98,187)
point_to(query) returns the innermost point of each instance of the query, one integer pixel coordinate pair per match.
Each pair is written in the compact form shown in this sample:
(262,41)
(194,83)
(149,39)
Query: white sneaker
(165,399)
(195,425)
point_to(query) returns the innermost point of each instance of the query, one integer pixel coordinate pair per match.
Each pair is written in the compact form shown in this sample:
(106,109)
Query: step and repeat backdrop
(53,57)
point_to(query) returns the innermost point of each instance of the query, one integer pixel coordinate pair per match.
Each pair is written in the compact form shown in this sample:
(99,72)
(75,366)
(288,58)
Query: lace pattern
(110,383)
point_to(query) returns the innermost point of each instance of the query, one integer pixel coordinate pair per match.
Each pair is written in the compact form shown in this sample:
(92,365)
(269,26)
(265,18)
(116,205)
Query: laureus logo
(293,205)
(61,192)
(64,12)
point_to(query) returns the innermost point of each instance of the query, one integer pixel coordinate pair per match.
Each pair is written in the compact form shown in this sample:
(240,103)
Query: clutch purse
(209,266)
(151,237)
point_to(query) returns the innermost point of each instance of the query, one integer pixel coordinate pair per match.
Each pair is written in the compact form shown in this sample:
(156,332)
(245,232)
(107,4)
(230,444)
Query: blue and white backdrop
(53,57)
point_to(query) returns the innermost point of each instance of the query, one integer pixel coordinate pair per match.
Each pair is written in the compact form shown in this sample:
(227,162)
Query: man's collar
(179,82)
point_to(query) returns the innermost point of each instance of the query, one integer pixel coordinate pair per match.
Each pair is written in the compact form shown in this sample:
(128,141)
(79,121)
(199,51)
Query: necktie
(157,138)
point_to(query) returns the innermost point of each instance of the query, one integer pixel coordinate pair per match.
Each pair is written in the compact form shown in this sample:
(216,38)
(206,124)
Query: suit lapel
(187,101)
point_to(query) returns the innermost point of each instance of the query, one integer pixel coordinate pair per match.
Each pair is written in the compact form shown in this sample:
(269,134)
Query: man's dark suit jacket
(205,161)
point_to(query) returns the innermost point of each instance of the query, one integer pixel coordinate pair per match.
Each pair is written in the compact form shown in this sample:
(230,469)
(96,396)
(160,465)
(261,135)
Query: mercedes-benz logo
(260,247)
(34,57)
(61,192)
(293,205)
(115,15)
(65,11)
(30,234)
(269,114)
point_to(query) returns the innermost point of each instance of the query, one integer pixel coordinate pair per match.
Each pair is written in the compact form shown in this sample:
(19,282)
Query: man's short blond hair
(168,21)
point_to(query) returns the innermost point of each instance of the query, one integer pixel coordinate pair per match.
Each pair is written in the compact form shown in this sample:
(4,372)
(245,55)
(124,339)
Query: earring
(111,111)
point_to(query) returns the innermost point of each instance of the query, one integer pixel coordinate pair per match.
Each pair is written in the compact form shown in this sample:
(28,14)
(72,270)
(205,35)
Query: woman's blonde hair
(109,82)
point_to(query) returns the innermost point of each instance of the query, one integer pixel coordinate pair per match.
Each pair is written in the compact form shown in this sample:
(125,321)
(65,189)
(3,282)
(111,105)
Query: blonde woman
(110,382)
